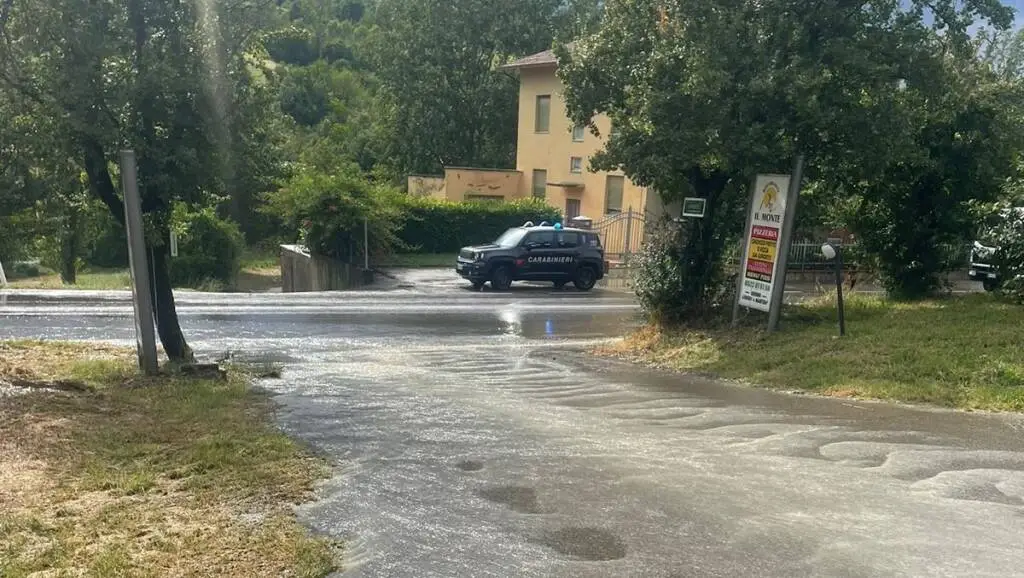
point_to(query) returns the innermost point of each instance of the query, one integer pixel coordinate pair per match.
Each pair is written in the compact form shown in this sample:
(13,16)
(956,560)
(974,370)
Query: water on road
(472,438)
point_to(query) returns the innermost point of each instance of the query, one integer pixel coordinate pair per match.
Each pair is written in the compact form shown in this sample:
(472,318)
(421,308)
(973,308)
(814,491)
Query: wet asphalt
(473,437)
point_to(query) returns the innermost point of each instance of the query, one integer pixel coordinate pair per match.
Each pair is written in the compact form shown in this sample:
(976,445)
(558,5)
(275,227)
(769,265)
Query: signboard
(694,207)
(759,271)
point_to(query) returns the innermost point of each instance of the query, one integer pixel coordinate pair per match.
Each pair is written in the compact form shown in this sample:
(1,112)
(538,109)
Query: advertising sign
(759,271)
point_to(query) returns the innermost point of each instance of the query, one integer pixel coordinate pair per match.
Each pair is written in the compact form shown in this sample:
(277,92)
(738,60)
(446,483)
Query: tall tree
(443,99)
(706,94)
(168,79)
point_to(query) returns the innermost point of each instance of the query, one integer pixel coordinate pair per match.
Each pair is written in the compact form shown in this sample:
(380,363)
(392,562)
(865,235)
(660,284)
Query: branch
(100,183)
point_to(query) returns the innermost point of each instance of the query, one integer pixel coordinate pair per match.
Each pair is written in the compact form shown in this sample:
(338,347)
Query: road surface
(472,438)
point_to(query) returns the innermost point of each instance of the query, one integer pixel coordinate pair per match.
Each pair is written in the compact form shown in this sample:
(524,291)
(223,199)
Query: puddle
(518,498)
(470,465)
(582,543)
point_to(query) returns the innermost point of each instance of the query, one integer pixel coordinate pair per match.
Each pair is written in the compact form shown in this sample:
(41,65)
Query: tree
(170,79)
(704,95)
(442,99)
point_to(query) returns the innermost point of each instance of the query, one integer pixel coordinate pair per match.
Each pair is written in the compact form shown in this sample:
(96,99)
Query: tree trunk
(167,324)
(69,241)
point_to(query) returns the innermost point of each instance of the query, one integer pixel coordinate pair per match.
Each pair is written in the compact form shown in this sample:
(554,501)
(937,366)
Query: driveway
(473,438)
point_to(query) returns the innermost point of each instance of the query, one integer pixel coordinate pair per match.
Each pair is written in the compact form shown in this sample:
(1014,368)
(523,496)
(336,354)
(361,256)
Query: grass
(417,260)
(91,279)
(135,476)
(962,352)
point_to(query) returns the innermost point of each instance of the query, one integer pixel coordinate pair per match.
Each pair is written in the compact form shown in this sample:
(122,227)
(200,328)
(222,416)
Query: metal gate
(622,234)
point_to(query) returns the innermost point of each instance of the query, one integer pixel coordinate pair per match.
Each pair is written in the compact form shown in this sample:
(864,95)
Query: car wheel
(990,284)
(501,279)
(585,279)
(478,285)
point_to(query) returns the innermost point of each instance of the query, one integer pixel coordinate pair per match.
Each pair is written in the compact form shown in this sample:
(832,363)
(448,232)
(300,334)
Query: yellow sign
(769,197)
(762,250)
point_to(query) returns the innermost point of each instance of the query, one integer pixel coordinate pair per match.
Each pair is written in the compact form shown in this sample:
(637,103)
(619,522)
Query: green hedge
(436,226)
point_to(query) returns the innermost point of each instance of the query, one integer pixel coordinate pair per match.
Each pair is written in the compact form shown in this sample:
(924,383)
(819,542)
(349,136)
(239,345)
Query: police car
(535,253)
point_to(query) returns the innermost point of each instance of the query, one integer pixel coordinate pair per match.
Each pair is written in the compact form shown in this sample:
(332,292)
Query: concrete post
(786,236)
(3,276)
(142,295)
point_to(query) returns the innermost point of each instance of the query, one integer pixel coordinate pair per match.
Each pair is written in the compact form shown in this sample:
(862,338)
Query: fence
(621,234)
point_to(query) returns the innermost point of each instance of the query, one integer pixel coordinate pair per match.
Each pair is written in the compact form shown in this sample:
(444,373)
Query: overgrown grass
(417,260)
(168,476)
(963,352)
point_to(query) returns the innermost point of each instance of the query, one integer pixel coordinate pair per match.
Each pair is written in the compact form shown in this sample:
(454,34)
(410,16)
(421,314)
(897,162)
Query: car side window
(543,239)
(568,240)
(593,240)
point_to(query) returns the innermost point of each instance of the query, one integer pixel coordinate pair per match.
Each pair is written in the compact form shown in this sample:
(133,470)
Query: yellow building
(552,158)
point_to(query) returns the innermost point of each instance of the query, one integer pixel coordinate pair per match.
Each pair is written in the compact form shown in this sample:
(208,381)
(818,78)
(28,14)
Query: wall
(461,181)
(302,272)
(552,150)
(426,186)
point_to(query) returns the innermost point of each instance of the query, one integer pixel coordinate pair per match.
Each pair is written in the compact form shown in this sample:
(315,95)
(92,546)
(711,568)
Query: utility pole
(142,296)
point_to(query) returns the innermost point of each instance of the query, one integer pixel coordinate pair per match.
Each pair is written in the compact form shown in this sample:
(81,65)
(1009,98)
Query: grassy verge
(963,352)
(98,279)
(417,260)
(129,476)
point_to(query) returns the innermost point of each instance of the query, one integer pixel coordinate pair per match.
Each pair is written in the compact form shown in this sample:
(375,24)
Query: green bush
(1007,236)
(209,248)
(436,226)
(670,289)
(328,211)
(108,246)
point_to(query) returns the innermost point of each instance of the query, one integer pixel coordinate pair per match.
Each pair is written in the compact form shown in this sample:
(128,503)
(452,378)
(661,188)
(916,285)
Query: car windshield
(510,238)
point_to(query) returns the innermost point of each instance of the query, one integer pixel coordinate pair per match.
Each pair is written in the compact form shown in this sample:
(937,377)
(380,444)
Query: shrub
(107,241)
(328,211)
(209,248)
(437,226)
(1007,236)
(670,289)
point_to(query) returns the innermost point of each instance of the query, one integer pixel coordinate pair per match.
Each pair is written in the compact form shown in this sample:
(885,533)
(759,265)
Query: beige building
(552,158)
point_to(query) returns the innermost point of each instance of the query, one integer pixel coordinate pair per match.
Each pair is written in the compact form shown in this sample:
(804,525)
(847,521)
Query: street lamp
(831,252)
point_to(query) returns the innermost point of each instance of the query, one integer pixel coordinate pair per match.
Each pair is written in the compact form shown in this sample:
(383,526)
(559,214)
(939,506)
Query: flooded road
(472,438)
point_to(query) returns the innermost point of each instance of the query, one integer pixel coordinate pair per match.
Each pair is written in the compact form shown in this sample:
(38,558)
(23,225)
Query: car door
(568,244)
(540,251)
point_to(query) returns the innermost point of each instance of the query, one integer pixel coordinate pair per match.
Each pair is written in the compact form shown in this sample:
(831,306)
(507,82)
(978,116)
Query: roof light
(558,226)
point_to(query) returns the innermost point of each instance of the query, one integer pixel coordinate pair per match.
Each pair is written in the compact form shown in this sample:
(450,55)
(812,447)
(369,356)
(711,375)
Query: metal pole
(742,263)
(839,290)
(366,243)
(629,230)
(141,291)
(782,259)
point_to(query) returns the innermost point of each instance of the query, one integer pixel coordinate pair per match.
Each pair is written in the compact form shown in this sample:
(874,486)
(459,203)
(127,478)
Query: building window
(576,165)
(577,133)
(543,121)
(572,209)
(540,183)
(613,186)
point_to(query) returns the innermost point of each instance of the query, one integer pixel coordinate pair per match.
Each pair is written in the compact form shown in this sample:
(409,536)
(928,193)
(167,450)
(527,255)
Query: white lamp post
(831,252)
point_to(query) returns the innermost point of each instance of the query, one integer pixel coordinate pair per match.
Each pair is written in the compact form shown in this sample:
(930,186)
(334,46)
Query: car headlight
(479,257)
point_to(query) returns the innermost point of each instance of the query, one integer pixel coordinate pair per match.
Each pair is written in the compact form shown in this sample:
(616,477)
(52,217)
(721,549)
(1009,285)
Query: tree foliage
(172,80)
(443,99)
(703,95)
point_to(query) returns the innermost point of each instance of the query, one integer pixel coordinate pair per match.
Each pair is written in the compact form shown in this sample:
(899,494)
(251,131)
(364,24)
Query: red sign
(760,232)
